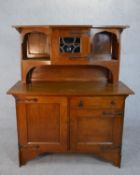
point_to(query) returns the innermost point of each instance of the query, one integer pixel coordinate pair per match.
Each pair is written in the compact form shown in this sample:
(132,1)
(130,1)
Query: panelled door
(96,123)
(42,122)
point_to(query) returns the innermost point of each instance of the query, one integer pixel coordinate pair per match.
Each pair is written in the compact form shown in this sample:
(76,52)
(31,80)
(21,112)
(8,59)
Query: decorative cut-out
(70,45)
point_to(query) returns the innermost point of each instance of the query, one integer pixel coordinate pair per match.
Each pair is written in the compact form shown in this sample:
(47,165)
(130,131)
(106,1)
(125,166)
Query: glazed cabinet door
(42,123)
(96,123)
(70,46)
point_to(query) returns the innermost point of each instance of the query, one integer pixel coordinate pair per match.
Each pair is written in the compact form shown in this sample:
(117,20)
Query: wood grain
(70,88)
(66,101)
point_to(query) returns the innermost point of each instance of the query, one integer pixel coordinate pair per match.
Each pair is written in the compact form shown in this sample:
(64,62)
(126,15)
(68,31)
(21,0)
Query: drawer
(97,102)
(41,99)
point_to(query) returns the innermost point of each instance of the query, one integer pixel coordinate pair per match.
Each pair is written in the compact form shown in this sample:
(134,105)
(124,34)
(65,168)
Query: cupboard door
(43,123)
(70,46)
(95,129)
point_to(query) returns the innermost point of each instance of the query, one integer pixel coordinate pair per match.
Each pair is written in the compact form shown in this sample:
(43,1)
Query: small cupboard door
(93,128)
(42,122)
(70,46)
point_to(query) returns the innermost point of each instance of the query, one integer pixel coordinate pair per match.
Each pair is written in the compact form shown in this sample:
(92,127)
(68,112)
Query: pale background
(95,12)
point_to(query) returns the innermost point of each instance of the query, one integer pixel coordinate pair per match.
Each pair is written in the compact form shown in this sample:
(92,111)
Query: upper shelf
(20,27)
(112,27)
(63,43)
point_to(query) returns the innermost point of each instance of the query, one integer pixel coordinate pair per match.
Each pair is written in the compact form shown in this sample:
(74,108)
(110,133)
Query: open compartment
(105,46)
(36,46)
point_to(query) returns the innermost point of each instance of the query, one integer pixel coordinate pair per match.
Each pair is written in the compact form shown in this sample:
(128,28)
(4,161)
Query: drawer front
(41,99)
(97,102)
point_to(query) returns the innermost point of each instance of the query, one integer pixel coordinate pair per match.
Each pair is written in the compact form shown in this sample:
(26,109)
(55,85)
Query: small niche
(36,45)
(105,46)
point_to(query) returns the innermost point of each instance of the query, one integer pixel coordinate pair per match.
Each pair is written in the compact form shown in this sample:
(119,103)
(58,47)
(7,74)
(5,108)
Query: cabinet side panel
(21,122)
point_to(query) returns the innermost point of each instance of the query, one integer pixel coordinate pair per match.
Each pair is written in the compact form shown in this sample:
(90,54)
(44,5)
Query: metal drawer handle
(81,104)
(31,100)
(112,113)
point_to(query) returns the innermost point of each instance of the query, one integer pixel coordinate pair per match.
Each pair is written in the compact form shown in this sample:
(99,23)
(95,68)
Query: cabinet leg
(111,156)
(25,155)
(117,162)
(22,159)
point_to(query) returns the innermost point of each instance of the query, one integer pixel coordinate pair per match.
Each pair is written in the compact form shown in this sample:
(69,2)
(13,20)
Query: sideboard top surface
(70,88)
